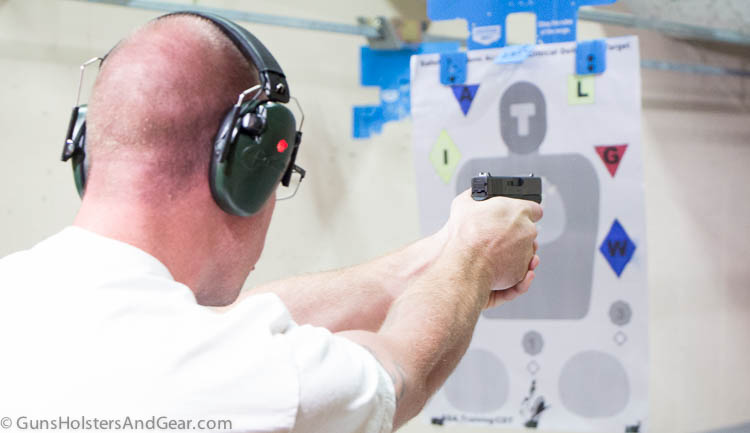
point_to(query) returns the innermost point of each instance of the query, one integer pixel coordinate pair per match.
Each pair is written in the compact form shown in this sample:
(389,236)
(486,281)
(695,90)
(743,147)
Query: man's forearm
(427,330)
(357,297)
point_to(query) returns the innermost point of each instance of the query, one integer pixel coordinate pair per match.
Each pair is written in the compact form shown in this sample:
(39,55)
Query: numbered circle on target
(532,343)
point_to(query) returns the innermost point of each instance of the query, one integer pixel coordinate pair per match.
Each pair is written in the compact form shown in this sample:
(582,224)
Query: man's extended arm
(357,297)
(429,327)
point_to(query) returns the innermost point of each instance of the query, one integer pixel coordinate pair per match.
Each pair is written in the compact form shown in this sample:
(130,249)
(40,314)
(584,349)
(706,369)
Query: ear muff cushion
(245,180)
(79,161)
(81,168)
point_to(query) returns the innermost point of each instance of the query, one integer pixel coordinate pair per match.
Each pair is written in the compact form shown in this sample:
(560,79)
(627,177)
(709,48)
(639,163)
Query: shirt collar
(100,250)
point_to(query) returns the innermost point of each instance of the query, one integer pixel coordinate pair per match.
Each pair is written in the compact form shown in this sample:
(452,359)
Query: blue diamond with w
(617,248)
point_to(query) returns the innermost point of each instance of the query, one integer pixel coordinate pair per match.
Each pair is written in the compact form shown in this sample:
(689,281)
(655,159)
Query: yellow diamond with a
(445,157)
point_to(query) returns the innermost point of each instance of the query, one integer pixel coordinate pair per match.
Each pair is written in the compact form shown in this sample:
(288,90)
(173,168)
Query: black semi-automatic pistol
(487,186)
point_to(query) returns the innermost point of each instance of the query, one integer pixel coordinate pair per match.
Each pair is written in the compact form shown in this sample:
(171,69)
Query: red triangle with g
(611,156)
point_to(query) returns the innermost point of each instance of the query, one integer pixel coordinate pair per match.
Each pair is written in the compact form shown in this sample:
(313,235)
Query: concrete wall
(359,200)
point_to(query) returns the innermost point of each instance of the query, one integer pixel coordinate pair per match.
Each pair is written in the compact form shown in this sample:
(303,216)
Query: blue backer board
(368,120)
(556,19)
(389,70)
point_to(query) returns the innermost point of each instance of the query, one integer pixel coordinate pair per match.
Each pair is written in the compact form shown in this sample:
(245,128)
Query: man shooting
(107,318)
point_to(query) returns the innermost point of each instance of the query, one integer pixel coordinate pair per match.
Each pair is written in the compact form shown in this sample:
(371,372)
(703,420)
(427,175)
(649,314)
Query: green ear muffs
(257,142)
(252,152)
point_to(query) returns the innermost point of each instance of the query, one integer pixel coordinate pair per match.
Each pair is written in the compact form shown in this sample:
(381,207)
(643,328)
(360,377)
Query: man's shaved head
(158,102)
(155,110)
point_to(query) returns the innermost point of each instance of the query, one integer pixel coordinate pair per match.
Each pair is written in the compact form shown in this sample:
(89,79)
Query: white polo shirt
(96,331)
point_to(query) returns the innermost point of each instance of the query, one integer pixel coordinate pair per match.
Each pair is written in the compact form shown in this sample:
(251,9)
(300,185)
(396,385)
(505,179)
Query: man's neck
(178,234)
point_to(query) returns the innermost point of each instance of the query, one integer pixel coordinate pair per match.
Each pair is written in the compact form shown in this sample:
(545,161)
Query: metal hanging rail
(661,65)
(250,17)
(606,17)
(671,28)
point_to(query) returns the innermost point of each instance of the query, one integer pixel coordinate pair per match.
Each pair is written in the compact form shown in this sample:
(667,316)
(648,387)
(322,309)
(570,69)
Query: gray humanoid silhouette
(562,287)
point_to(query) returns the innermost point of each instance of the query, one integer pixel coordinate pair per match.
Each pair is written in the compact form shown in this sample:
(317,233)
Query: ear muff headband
(272,78)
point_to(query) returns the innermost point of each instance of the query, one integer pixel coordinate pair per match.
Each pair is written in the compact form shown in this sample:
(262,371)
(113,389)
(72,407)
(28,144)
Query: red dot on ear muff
(281,145)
